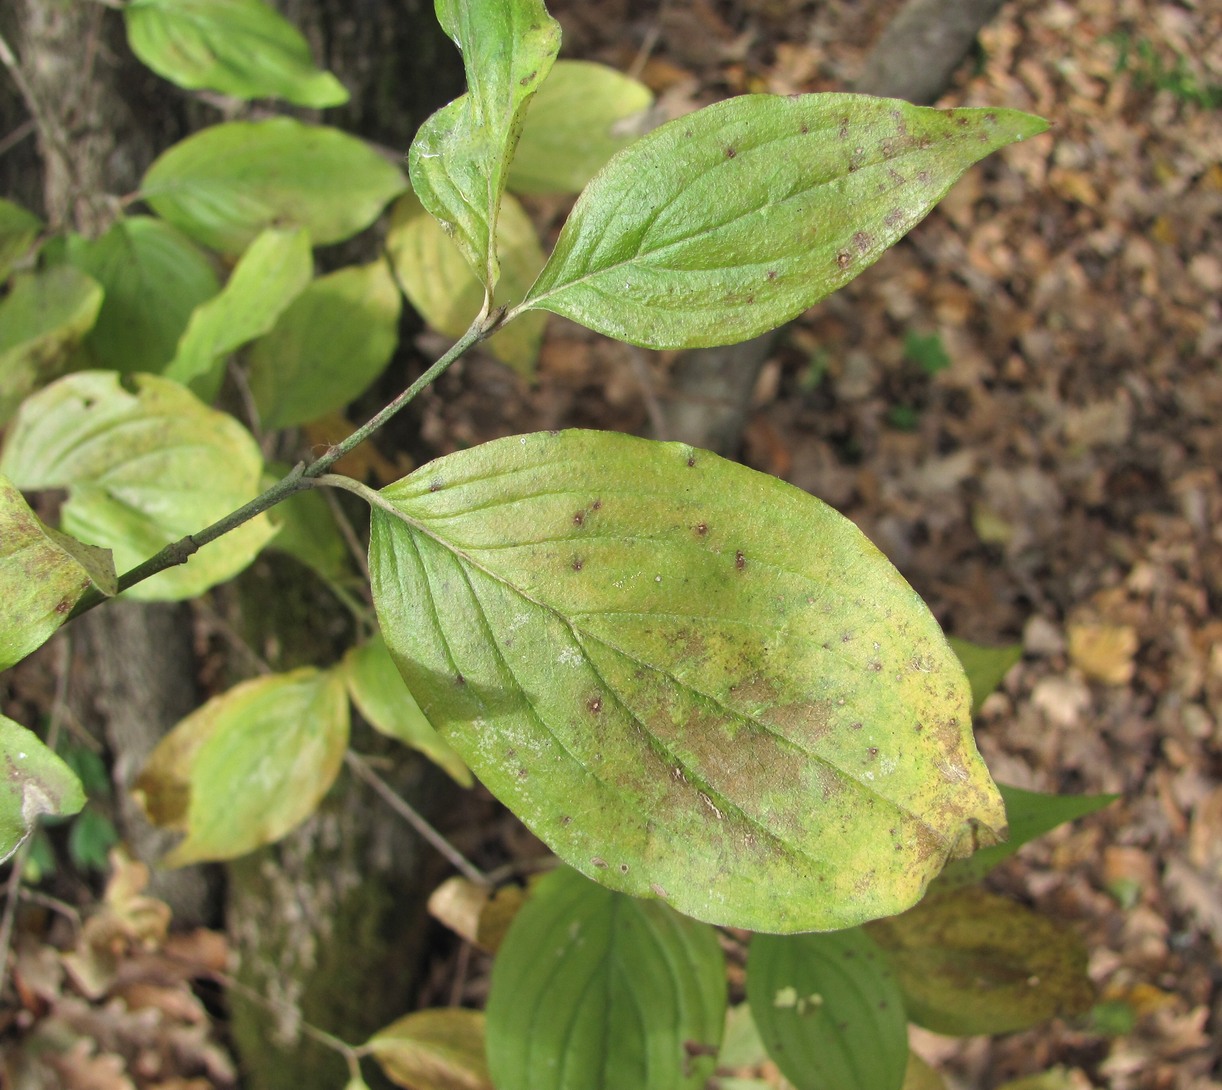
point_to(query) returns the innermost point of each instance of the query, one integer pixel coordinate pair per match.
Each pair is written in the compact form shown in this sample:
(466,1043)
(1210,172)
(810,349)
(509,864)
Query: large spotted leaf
(692,680)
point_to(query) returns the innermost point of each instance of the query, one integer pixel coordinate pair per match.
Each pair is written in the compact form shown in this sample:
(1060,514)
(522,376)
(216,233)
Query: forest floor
(1021,405)
(1050,478)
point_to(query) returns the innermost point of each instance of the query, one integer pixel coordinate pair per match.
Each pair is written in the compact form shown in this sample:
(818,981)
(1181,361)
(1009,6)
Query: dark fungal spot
(740,561)
(566,820)
(772,274)
(730,153)
(579,518)
(435,484)
(805,129)
(894,218)
(595,704)
(578,563)
(873,752)
(596,505)
(862,240)
(62,607)
(844,259)
(623,868)
(844,128)
(702,528)
(600,863)
(522,773)
(855,726)
(990,118)
(750,299)
(691,461)
(459,679)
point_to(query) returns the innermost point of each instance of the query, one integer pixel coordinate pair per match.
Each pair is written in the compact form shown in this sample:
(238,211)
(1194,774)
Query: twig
(17,135)
(351,1055)
(362,768)
(348,532)
(657,419)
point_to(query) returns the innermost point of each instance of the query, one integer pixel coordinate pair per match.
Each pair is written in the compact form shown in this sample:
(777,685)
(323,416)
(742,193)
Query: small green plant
(713,699)
(1150,70)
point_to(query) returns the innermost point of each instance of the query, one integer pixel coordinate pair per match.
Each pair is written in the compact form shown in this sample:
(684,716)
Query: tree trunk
(329,924)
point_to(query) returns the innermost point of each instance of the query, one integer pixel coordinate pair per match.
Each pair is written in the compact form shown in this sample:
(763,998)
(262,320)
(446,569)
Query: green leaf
(460,157)
(18,230)
(43,574)
(829,1010)
(434,1050)
(594,989)
(384,700)
(270,275)
(227,183)
(1029,815)
(238,47)
(42,320)
(691,680)
(145,463)
(970,962)
(582,115)
(90,839)
(33,781)
(985,666)
(249,766)
(335,338)
(153,277)
(726,223)
(440,285)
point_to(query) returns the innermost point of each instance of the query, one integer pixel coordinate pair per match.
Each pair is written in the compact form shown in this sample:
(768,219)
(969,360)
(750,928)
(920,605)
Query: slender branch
(460,862)
(299,478)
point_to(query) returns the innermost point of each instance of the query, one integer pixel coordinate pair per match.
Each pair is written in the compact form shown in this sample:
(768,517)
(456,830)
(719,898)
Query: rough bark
(710,396)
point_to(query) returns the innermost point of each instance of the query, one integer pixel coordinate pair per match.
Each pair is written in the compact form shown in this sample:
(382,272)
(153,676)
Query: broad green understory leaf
(591,988)
(43,574)
(440,1049)
(440,284)
(692,680)
(153,277)
(1028,815)
(582,115)
(238,47)
(18,230)
(248,766)
(227,183)
(829,1010)
(43,319)
(328,345)
(985,667)
(728,222)
(33,782)
(459,159)
(378,691)
(273,271)
(145,463)
(971,961)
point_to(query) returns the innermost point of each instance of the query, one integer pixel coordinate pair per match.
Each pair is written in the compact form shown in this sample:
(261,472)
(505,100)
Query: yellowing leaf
(973,962)
(691,680)
(441,286)
(43,574)
(434,1050)
(145,464)
(248,766)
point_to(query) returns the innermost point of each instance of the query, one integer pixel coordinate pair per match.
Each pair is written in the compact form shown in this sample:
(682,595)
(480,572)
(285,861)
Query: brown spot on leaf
(863,240)
(599,862)
(579,518)
(691,461)
(844,128)
(772,274)
(730,153)
(658,889)
(595,704)
(459,679)
(895,217)
(844,259)
(804,129)
(566,820)
(435,484)
(578,563)
(701,529)
(740,561)
(596,505)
